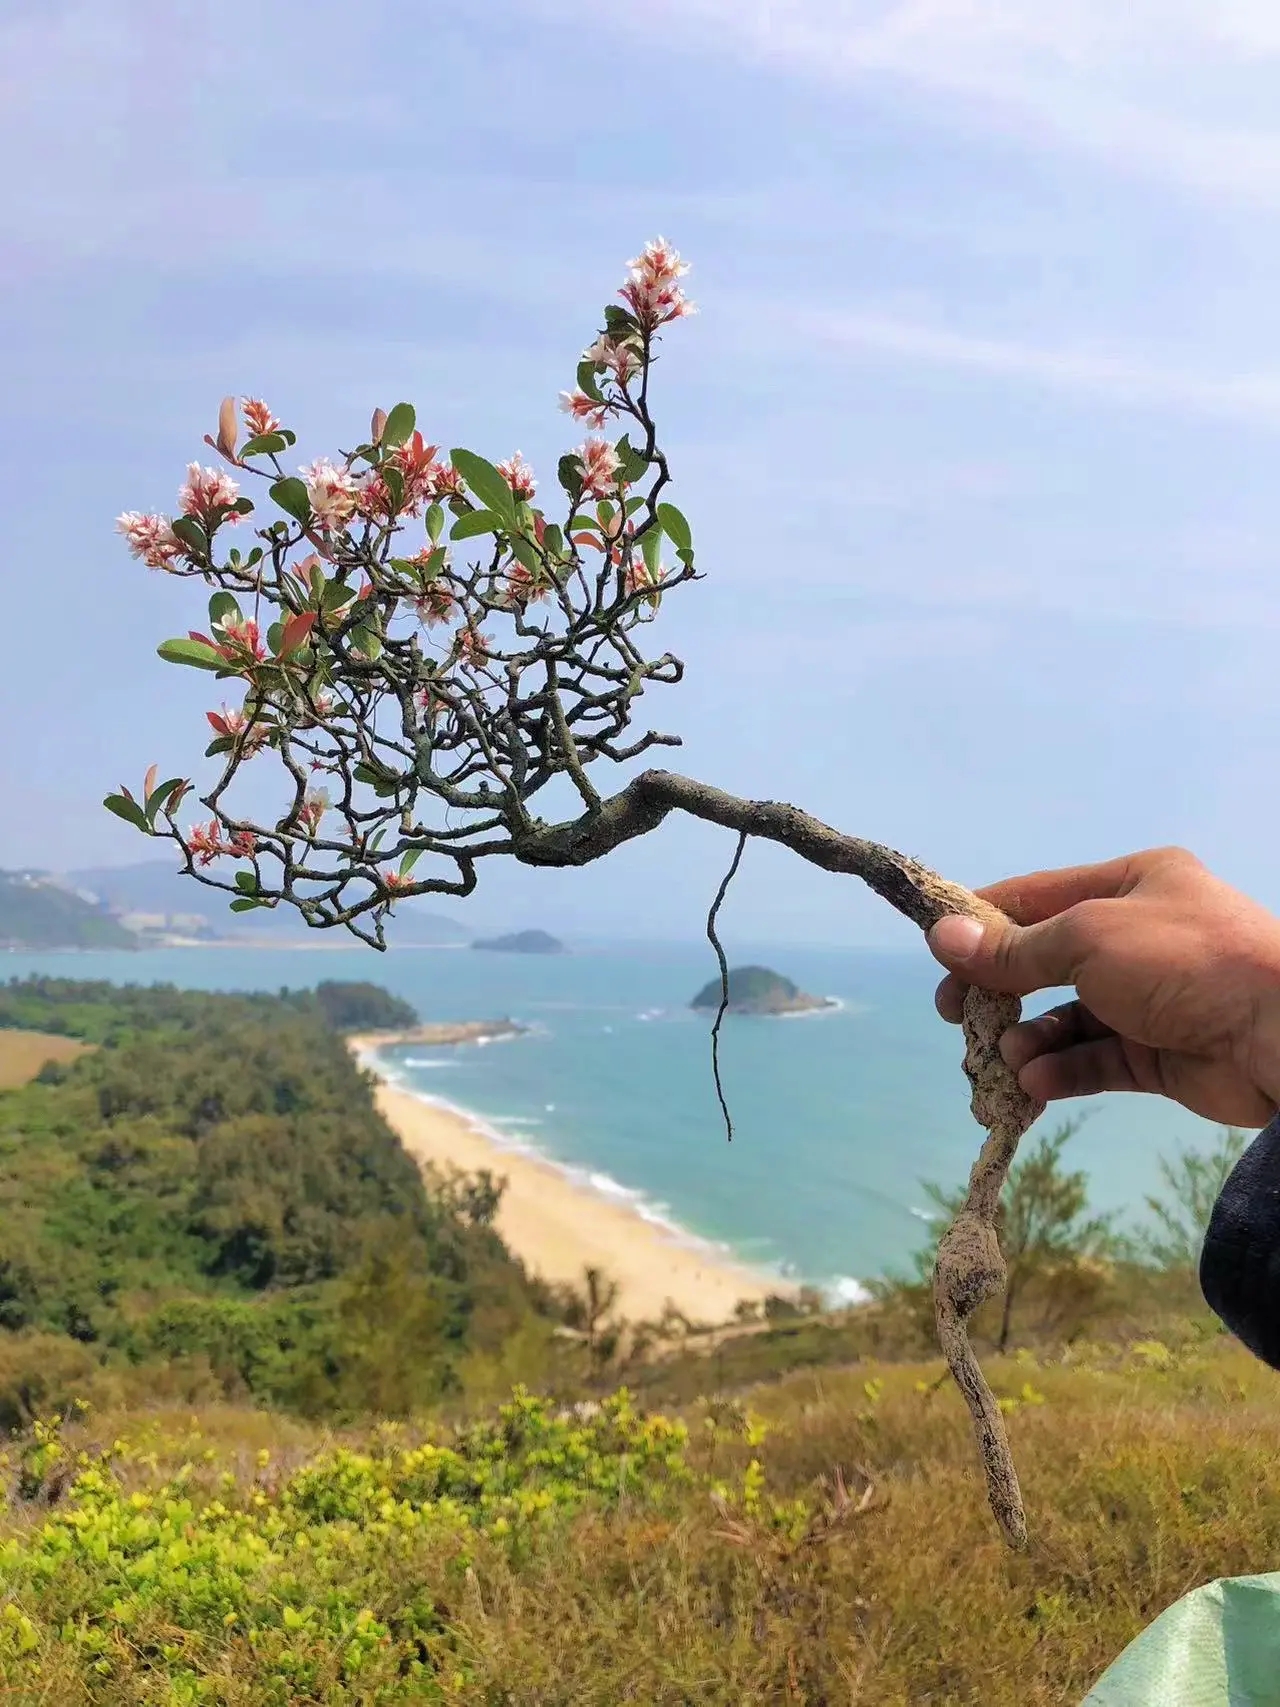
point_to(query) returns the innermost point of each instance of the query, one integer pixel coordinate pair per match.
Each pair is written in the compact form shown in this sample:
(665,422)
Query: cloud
(1105,376)
(1164,87)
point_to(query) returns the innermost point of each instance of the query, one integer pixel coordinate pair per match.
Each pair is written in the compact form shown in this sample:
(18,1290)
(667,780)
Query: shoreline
(554,1224)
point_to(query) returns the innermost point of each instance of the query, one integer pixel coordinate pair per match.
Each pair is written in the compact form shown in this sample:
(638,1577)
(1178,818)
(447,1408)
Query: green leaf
(291,496)
(192,535)
(485,481)
(478,522)
(246,904)
(633,464)
(129,810)
(569,473)
(248,881)
(409,861)
(192,652)
(336,597)
(393,480)
(275,634)
(222,606)
(435,522)
(675,527)
(617,321)
(366,639)
(587,381)
(400,424)
(219,744)
(527,552)
(266,444)
(158,796)
(651,549)
(288,437)
(553,541)
(317,584)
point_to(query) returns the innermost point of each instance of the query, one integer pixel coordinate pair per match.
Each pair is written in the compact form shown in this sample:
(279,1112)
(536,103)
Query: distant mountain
(523,942)
(757,990)
(155,898)
(37,912)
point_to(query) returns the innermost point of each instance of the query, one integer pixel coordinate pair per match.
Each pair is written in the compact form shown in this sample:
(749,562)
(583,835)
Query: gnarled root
(970,1267)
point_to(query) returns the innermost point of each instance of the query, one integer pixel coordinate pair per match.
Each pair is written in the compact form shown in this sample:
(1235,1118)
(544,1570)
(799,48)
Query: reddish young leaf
(296,631)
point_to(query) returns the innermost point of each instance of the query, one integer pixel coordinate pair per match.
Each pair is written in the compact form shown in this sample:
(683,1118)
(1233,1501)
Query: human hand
(1177,978)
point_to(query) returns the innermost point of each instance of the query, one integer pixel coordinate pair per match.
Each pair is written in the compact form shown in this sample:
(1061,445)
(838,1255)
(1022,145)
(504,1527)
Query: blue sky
(977,426)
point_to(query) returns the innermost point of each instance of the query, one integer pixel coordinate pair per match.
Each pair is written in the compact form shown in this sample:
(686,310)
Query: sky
(977,425)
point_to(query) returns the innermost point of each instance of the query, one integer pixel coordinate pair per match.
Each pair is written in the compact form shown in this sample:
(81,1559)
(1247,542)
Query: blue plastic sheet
(1216,1647)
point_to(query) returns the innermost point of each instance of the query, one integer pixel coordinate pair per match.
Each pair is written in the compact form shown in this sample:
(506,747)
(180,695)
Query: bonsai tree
(442,672)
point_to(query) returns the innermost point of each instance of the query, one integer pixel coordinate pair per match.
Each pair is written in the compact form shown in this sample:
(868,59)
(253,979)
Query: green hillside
(37,914)
(214,1185)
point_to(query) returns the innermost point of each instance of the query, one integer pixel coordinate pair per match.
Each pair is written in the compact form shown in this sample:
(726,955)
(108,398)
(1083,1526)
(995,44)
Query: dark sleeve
(1240,1262)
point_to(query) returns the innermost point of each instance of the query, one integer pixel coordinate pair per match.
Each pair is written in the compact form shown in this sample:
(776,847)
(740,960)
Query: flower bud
(227,428)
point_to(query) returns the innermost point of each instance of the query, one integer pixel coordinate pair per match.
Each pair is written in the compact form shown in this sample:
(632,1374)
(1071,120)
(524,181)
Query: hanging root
(722,1010)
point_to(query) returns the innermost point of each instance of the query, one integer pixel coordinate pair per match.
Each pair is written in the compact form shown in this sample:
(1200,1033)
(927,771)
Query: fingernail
(955,937)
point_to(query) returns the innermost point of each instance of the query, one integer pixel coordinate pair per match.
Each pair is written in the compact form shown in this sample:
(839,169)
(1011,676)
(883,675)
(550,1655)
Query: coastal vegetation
(208,1202)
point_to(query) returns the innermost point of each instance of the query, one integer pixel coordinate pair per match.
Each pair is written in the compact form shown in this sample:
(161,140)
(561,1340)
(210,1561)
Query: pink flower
(519,476)
(204,842)
(446,482)
(652,292)
(395,880)
(521,588)
(206,490)
(235,726)
(242,642)
(435,605)
(373,497)
(583,408)
(472,649)
(639,578)
(621,360)
(243,844)
(313,810)
(417,463)
(598,462)
(331,492)
(257,417)
(151,538)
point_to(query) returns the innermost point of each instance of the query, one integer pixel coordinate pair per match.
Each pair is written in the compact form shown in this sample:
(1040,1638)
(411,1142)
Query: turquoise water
(838,1116)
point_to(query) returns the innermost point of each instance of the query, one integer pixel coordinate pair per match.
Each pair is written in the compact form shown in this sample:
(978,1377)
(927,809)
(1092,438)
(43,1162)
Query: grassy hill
(36,913)
(822,1539)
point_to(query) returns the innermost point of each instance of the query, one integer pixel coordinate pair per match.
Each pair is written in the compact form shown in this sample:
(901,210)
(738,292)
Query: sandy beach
(557,1228)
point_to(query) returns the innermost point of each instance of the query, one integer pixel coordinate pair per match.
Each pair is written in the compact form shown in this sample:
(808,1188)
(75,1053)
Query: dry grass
(23,1053)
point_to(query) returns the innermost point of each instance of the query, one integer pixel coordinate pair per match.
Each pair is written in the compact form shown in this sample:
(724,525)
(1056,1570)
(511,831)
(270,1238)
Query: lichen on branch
(437,668)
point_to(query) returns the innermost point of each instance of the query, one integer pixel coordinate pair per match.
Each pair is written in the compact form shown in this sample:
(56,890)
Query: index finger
(1041,895)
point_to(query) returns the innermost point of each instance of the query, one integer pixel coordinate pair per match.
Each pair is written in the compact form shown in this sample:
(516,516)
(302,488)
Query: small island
(757,990)
(522,942)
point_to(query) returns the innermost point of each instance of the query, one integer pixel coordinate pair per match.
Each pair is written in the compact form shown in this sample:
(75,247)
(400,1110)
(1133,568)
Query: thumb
(997,954)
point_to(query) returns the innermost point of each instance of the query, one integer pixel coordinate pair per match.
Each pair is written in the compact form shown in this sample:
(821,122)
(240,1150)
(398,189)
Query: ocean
(839,1116)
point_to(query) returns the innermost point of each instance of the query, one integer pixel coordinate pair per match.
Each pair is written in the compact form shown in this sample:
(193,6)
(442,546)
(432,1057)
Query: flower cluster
(150,538)
(652,292)
(206,842)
